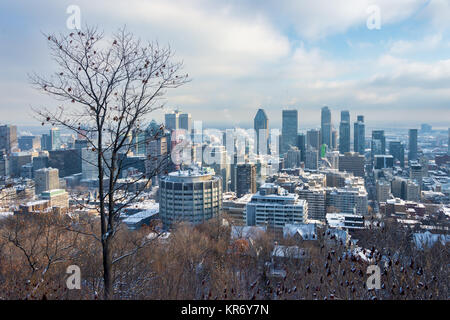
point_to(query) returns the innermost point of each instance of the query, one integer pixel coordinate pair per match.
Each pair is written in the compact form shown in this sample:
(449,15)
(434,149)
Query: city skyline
(398,71)
(224,150)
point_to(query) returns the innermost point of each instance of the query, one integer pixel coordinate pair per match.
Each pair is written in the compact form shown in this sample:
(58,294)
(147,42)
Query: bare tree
(111,86)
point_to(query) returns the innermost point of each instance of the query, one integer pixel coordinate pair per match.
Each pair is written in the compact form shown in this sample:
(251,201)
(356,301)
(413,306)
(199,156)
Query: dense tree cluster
(203,262)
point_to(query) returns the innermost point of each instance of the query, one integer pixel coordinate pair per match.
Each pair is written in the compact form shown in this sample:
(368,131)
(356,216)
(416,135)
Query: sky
(242,55)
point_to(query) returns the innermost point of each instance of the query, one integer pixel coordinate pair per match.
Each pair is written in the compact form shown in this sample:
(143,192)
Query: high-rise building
(293,158)
(412,191)
(68,161)
(378,142)
(17,160)
(245,179)
(412,146)
(273,207)
(138,142)
(220,164)
(55,138)
(171,120)
(46,179)
(175,120)
(46,142)
(359,135)
(261,126)
(192,195)
(347,200)
(333,159)
(416,172)
(352,162)
(185,122)
(80,144)
(315,197)
(326,127)
(29,143)
(8,138)
(301,145)
(382,161)
(426,128)
(89,167)
(383,190)
(157,156)
(312,159)
(334,139)
(289,130)
(397,150)
(398,187)
(344,132)
(313,139)
(40,162)
(4,166)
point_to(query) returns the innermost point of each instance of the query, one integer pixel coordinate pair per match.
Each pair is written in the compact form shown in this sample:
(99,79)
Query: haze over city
(245,55)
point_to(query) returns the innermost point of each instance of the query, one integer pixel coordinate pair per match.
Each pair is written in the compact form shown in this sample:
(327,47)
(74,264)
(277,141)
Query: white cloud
(321,18)
(429,43)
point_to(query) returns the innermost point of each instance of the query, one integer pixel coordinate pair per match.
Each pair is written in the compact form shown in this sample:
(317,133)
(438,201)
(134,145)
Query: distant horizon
(38,130)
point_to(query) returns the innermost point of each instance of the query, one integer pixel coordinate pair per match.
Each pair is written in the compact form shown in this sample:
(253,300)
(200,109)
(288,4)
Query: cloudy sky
(246,54)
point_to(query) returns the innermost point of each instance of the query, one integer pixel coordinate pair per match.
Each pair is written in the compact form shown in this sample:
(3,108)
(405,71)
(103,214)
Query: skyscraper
(171,120)
(412,147)
(8,138)
(289,130)
(359,132)
(397,150)
(352,162)
(46,142)
(312,159)
(157,156)
(313,139)
(138,142)
(334,139)
(301,145)
(29,143)
(293,158)
(185,122)
(344,132)
(220,164)
(326,127)
(245,179)
(261,126)
(378,142)
(416,173)
(55,139)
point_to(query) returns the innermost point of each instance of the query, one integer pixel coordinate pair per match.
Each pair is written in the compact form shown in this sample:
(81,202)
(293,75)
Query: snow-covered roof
(288,252)
(135,218)
(428,239)
(306,230)
(338,234)
(247,232)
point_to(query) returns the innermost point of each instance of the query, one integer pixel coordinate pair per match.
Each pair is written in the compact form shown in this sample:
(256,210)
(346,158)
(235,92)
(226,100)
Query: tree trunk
(105,230)
(107,269)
